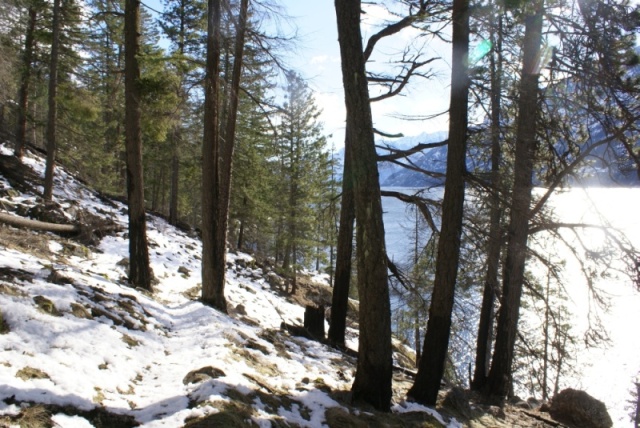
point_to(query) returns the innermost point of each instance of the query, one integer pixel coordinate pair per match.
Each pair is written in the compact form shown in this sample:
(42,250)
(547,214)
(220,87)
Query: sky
(317,58)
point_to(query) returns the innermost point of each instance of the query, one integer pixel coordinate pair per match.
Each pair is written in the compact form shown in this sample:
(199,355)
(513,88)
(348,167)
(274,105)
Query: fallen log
(28,223)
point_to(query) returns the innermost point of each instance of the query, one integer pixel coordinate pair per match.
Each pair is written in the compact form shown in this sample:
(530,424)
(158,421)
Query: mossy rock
(130,341)
(79,311)
(55,277)
(28,373)
(231,416)
(202,374)
(338,417)
(34,417)
(47,306)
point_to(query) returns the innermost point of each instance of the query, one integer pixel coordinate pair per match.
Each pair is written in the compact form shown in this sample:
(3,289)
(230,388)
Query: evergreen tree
(431,369)
(183,23)
(305,170)
(52,116)
(217,154)
(139,268)
(498,382)
(373,376)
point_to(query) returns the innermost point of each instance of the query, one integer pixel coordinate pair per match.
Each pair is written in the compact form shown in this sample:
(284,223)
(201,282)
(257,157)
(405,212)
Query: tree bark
(175,175)
(139,269)
(436,342)
(213,245)
(491,284)
(52,115)
(28,223)
(217,157)
(342,282)
(25,79)
(373,376)
(499,380)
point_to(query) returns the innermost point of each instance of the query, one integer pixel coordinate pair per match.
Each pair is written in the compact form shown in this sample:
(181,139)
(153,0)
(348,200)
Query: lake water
(606,373)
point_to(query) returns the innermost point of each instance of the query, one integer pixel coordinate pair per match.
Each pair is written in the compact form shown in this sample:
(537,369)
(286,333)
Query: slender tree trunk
(25,79)
(242,225)
(499,379)
(175,175)
(436,342)
(139,269)
(217,157)
(545,355)
(340,297)
(491,284)
(373,376)
(213,244)
(155,190)
(417,339)
(52,115)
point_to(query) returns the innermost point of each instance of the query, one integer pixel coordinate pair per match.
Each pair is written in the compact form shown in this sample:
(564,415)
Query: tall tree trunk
(436,342)
(213,244)
(373,376)
(25,79)
(52,115)
(491,285)
(245,202)
(139,269)
(340,297)
(217,157)
(499,379)
(175,175)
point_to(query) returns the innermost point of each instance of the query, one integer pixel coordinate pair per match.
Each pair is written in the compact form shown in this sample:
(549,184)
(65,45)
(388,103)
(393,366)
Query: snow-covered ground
(128,350)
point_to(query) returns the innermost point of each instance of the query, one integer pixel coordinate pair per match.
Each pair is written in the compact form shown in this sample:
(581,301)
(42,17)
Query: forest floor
(80,348)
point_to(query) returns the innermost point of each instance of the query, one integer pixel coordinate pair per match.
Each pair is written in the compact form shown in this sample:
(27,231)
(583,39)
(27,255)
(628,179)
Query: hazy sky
(317,58)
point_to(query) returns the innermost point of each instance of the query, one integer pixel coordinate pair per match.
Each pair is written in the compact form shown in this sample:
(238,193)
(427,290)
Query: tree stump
(314,321)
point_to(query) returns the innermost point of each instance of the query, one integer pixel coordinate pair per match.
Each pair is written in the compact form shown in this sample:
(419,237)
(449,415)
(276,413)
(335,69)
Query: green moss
(45,305)
(28,373)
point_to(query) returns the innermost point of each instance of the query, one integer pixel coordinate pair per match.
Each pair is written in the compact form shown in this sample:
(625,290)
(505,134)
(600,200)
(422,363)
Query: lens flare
(480,51)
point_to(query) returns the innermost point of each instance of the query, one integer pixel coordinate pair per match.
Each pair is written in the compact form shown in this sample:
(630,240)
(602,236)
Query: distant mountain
(606,166)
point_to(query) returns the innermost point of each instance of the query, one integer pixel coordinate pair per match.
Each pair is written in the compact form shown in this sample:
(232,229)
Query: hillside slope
(81,348)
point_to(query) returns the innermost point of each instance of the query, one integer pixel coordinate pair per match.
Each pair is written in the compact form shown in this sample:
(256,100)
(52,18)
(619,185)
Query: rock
(56,277)
(534,403)
(523,405)
(457,400)
(337,417)
(579,410)
(47,306)
(497,412)
(80,311)
(275,280)
(28,373)
(184,271)
(241,310)
(202,374)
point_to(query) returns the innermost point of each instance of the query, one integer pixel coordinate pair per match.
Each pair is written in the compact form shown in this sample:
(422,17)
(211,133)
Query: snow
(133,355)
(135,364)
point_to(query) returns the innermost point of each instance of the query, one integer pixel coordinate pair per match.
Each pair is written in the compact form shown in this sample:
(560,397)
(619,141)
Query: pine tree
(431,369)
(498,382)
(305,170)
(373,376)
(139,268)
